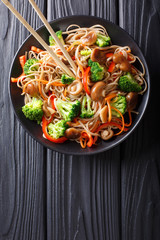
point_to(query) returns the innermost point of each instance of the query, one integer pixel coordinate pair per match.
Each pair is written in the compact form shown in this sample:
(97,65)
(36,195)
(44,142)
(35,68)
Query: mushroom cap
(98,91)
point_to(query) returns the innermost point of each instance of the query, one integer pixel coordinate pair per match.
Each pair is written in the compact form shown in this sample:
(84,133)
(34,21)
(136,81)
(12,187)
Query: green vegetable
(103,40)
(58,129)
(28,69)
(68,110)
(59,35)
(86,110)
(65,79)
(120,103)
(97,71)
(85,52)
(33,110)
(127,83)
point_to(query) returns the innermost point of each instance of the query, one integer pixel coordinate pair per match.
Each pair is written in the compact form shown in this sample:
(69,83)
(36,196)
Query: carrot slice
(122,120)
(35,49)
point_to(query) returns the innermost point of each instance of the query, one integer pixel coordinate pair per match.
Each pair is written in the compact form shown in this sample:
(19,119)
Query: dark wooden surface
(110,196)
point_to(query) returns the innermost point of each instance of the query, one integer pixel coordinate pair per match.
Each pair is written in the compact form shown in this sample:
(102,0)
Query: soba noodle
(48,71)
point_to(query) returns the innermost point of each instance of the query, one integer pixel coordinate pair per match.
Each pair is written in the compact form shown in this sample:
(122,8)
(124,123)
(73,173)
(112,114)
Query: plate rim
(96,151)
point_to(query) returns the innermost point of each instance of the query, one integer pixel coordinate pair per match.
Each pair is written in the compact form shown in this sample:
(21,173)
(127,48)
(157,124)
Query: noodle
(47,77)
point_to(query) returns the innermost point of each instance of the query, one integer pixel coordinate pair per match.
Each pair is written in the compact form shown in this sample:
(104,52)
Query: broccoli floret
(103,40)
(85,52)
(119,103)
(65,79)
(58,129)
(59,35)
(127,83)
(33,110)
(97,71)
(86,110)
(68,110)
(28,69)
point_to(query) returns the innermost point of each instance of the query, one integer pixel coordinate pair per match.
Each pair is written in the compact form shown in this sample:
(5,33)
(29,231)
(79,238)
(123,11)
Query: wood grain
(140,154)
(85,197)
(114,195)
(22,159)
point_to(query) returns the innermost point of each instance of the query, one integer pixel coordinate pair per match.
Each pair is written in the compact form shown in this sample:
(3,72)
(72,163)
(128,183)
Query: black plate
(119,37)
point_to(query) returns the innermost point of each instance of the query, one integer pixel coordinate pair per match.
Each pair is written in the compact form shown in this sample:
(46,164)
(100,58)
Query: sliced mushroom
(103,114)
(98,55)
(72,133)
(32,89)
(90,38)
(132,99)
(98,91)
(107,134)
(75,87)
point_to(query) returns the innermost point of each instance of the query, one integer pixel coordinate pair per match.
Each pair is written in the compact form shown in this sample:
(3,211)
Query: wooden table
(110,196)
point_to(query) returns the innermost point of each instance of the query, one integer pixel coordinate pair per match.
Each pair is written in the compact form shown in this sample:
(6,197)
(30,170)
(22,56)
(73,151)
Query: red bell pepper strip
(90,139)
(109,55)
(85,80)
(22,60)
(44,129)
(111,67)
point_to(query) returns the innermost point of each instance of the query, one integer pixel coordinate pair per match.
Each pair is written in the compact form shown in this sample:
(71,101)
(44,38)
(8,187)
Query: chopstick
(37,36)
(53,34)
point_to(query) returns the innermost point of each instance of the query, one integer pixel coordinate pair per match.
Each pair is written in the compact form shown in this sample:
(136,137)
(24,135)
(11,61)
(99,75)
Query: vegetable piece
(97,71)
(68,110)
(114,124)
(32,89)
(28,69)
(108,55)
(127,83)
(85,80)
(107,134)
(98,91)
(98,55)
(120,104)
(72,133)
(132,100)
(58,129)
(75,87)
(86,110)
(89,39)
(33,110)
(88,139)
(124,64)
(103,114)
(85,52)
(103,40)
(115,109)
(59,35)
(22,60)
(19,78)
(46,134)
(65,79)
(111,67)
(36,50)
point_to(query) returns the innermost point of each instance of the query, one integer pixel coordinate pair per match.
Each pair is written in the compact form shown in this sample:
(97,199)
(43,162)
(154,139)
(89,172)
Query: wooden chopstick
(39,39)
(53,34)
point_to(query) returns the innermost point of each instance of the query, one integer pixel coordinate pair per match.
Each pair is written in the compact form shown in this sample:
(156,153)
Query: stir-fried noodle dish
(96,102)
